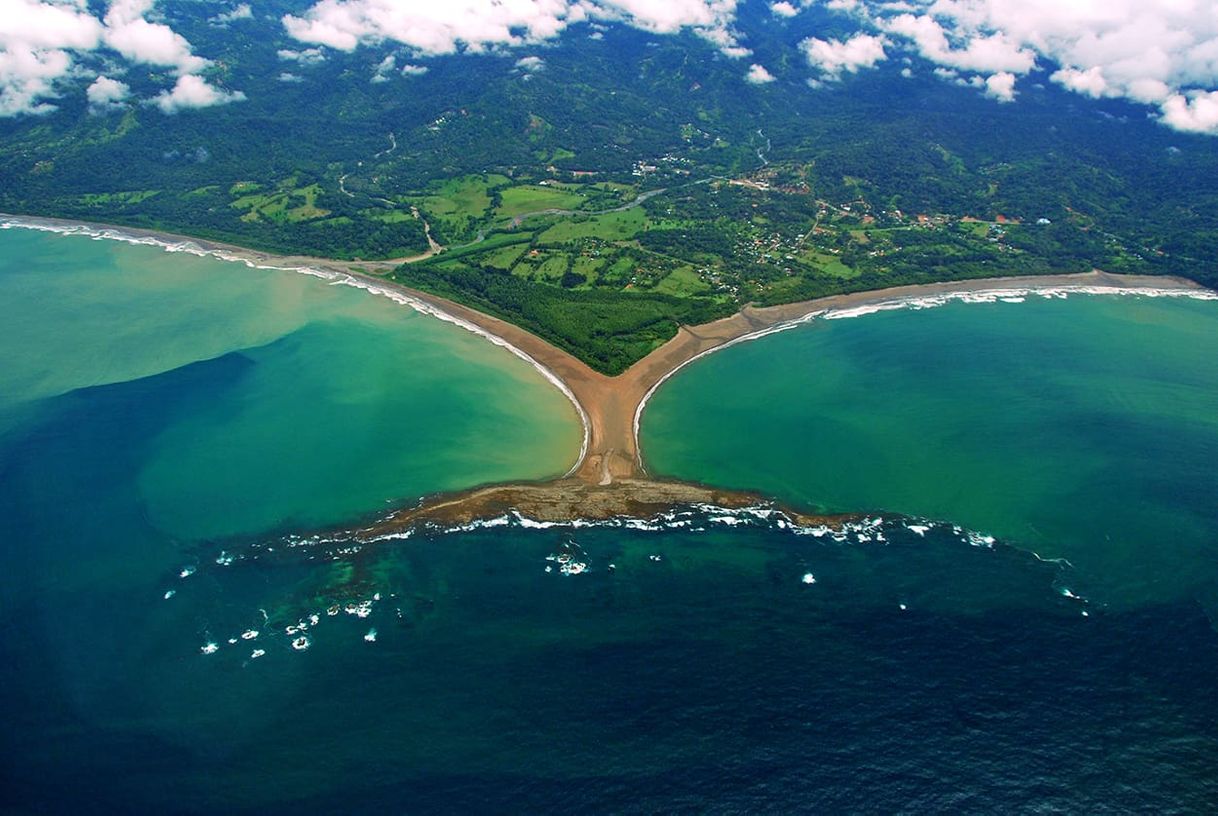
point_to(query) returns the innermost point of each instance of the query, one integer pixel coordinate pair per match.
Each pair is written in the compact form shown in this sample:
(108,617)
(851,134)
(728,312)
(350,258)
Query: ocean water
(1083,428)
(169,644)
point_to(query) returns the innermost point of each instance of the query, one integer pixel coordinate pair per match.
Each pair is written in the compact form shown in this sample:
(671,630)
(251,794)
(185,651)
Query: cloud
(241,12)
(1001,86)
(531,64)
(988,53)
(194,92)
(1090,82)
(107,93)
(835,57)
(758,75)
(307,56)
(41,42)
(130,34)
(36,41)
(387,66)
(1156,52)
(783,9)
(483,25)
(51,26)
(1196,112)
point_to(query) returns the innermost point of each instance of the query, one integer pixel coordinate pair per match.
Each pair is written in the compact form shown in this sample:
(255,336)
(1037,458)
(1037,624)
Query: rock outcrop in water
(564,500)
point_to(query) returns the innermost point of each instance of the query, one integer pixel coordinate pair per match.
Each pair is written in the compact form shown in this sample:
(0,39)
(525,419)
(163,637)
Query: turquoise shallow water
(1084,428)
(209,399)
(167,421)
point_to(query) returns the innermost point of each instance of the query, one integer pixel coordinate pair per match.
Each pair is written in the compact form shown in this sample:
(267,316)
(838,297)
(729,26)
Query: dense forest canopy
(606,184)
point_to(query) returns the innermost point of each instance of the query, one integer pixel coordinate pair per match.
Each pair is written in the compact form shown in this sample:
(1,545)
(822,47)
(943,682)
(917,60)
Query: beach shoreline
(611,408)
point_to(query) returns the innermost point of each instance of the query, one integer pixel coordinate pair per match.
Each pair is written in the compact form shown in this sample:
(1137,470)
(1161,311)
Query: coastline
(775,319)
(611,408)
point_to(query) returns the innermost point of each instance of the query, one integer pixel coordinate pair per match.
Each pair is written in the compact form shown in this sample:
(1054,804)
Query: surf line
(1015,294)
(334,277)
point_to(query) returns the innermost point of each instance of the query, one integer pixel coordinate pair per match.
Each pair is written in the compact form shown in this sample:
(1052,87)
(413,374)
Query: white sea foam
(335,277)
(699,518)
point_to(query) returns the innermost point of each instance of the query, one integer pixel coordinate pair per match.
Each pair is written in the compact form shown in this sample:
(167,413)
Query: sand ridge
(612,406)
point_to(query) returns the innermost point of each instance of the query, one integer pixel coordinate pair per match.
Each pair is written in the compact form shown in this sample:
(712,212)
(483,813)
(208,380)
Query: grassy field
(120,199)
(387,216)
(683,282)
(528,198)
(588,267)
(506,257)
(288,204)
(493,241)
(459,205)
(618,226)
(467,197)
(827,264)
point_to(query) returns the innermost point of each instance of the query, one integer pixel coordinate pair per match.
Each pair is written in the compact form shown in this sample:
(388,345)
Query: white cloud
(1090,82)
(414,70)
(783,9)
(1196,112)
(481,25)
(41,41)
(835,57)
(531,64)
(983,52)
(36,41)
(194,92)
(27,77)
(1156,52)
(130,34)
(106,92)
(387,66)
(307,56)
(47,25)
(1001,86)
(241,12)
(758,75)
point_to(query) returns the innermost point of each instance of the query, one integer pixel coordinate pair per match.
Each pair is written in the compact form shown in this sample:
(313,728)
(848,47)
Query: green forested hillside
(631,184)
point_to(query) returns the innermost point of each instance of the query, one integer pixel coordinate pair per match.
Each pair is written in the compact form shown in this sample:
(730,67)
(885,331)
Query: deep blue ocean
(169,645)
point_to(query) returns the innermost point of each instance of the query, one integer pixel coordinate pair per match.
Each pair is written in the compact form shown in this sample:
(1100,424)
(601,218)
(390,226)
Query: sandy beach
(611,407)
